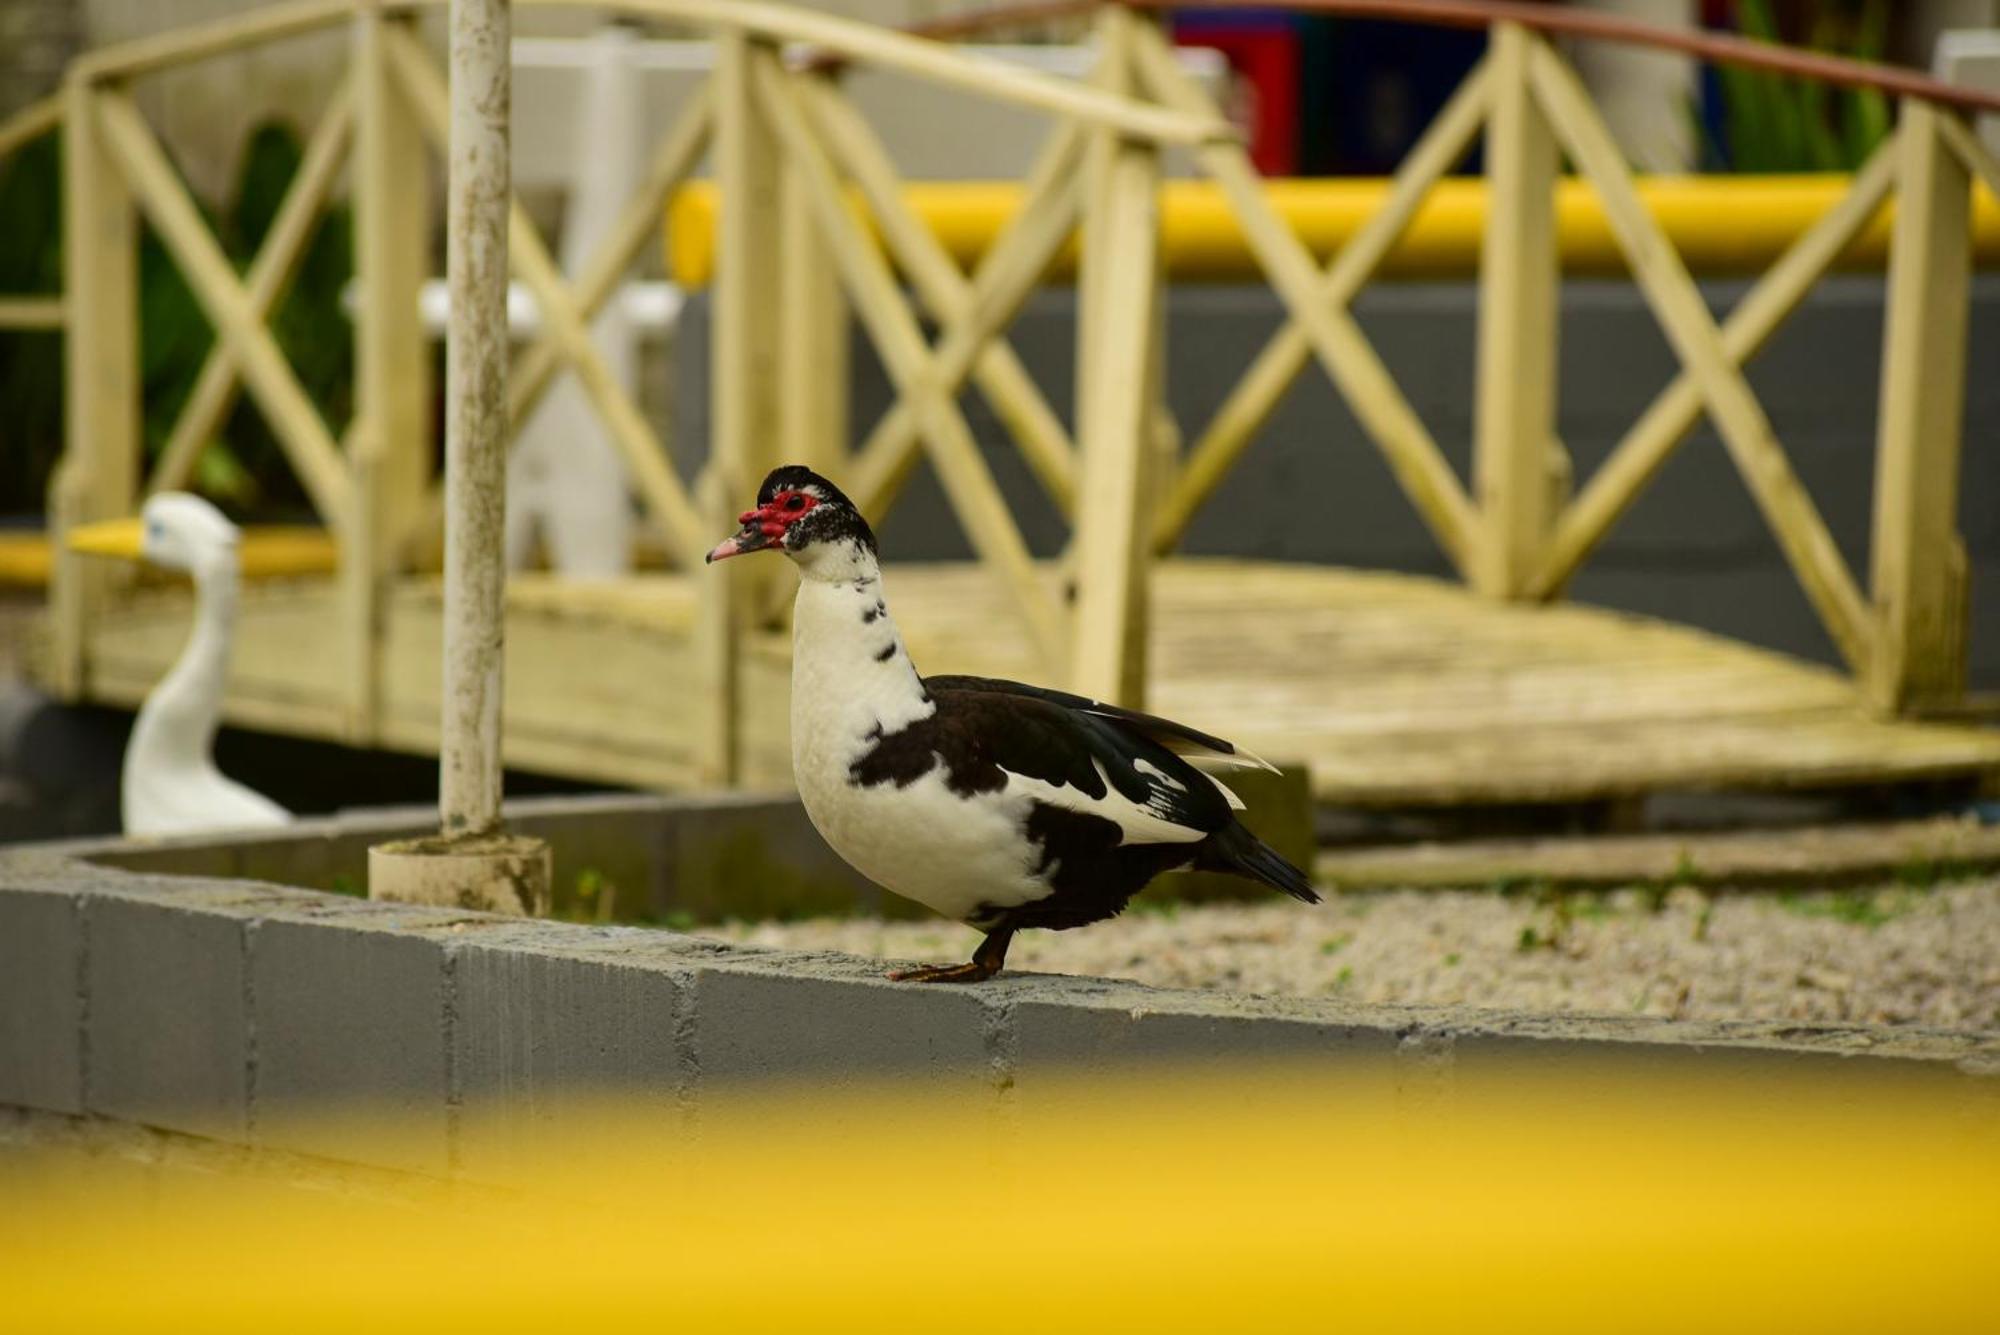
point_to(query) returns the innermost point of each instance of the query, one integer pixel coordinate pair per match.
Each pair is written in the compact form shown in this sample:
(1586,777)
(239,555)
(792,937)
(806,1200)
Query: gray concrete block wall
(41,1000)
(254,1014)
(544,1016)
(351,1013)
(835,1018)
(169,1018)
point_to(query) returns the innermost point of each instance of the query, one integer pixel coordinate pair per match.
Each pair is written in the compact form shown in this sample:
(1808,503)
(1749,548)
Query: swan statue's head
(175,531)
(170,783)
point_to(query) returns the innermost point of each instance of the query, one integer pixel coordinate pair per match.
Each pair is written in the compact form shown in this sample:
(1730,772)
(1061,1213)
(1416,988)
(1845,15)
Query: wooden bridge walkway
(1392,690)
(1395,690)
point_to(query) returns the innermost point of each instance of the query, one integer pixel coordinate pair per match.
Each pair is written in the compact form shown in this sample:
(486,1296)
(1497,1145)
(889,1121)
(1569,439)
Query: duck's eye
(795,502)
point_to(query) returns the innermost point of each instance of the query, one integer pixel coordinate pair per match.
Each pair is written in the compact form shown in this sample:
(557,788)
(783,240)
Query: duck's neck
(176,725)
(852,678)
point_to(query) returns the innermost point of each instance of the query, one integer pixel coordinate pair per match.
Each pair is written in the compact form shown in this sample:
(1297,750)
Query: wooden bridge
(1393,690)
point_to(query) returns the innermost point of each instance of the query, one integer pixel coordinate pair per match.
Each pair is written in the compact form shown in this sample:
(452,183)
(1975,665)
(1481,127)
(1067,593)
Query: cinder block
(41,1016)
(349,1008)
(1063,1027)
(552,1025)
(166,1015)
(835,1019)
(1601,1054)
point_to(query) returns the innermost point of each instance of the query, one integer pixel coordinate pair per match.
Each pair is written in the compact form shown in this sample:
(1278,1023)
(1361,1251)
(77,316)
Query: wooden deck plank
(1392,689)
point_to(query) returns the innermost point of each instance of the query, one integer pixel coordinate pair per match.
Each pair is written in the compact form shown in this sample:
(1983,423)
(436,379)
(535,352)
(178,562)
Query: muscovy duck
(1002,805)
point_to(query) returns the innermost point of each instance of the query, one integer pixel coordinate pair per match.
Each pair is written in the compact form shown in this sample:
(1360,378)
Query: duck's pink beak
(755,535)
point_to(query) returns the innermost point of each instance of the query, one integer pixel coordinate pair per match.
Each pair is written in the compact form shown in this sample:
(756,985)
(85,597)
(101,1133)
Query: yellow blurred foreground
(1273,1200)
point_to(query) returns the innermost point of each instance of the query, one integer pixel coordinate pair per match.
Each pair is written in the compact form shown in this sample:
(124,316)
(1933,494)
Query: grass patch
(1857,908)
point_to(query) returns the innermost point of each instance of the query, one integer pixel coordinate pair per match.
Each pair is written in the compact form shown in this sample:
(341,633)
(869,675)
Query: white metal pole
(476,865)
(469,787)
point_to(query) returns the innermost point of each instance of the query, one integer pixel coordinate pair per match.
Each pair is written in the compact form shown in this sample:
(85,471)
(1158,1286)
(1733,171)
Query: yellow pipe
(1719,224)
(275,552)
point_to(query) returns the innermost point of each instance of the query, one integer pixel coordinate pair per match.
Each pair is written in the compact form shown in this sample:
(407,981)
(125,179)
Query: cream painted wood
(1919,561)
(1117,393)
(745,386)
(813,342)
(185,45)
(946,292)
(30,122)
(1639,454)
(967,482)
(1256,395)
(638,445)
(31,313)
(1668,286)
(1514,419)
(1343,349)
(98,475)
(277,260)
(390,447)
(933,61)
(293,419)
(1971,150)
(1114,503)
(673,160)
(1005,277)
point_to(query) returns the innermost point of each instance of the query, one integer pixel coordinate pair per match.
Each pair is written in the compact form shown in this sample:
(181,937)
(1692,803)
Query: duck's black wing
(1091,764)
(1176,737)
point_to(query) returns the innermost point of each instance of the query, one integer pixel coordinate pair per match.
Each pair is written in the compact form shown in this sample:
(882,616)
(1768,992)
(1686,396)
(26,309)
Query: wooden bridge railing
(1517,532)
(801,173)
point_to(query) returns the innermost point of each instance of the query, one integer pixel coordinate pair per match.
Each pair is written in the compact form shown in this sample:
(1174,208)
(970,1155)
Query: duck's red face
(766,525)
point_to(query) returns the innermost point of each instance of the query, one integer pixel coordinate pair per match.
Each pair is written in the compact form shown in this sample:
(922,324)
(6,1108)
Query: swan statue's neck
(176,725)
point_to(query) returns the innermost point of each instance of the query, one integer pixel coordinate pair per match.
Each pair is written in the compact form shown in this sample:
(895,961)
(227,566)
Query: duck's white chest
(921,840)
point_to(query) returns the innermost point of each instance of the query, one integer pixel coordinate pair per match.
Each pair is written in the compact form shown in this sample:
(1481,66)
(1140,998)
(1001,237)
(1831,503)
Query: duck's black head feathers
(832,517)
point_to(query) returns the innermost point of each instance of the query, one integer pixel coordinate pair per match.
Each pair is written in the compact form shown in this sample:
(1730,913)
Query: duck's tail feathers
(1234,849)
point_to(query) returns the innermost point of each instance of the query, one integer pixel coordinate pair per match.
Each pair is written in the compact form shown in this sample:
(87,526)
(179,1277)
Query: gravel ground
(1893,955)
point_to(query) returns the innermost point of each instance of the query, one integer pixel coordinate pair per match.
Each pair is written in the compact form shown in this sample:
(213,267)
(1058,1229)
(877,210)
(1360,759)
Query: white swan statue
(170,783)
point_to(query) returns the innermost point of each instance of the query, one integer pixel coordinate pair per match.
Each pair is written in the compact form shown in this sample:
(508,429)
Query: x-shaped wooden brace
(270,273)
(1660,273)
(1638,456)
(565,316)
(926,381)
(951,297)
(234,312)
(1327,326)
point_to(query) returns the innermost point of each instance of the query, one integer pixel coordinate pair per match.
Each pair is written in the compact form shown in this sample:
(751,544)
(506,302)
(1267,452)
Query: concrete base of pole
(492,873)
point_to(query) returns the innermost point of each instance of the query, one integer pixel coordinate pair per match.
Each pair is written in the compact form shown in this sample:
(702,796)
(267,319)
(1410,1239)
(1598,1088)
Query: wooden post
(1117,390)
(746,388)
(814,348)
(98,476)
(390,451)
(1519,273)
(1919,566)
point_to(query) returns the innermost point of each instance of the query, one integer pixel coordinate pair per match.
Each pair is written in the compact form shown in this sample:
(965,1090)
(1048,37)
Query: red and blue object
(1262,48)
